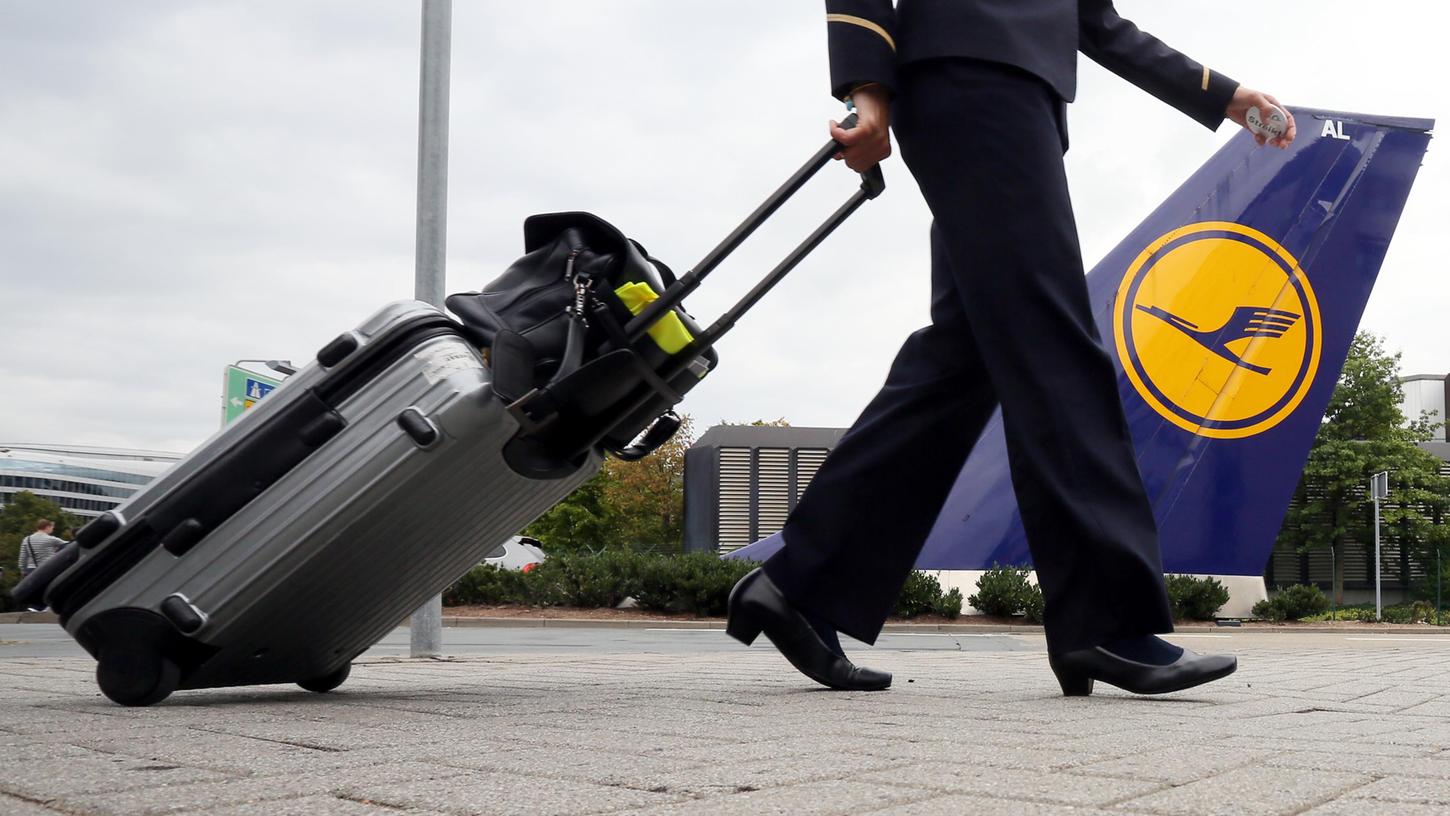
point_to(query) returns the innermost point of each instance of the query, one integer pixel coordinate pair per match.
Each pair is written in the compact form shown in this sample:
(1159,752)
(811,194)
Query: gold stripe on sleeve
(864,23)
(1205,77)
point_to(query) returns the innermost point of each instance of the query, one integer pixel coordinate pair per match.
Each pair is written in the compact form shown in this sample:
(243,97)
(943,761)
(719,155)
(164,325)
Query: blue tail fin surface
(1228,313)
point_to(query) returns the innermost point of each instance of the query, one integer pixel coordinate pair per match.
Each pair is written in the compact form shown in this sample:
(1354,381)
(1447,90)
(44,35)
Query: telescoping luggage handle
(872,184)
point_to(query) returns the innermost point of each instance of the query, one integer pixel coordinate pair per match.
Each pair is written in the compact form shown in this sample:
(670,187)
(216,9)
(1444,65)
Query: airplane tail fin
(1229,312)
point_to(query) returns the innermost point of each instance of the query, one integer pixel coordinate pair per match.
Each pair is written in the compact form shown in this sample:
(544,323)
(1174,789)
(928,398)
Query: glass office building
(85,481)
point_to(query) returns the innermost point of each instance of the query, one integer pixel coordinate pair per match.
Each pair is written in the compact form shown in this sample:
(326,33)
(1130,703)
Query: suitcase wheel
(327,682)
(136,677)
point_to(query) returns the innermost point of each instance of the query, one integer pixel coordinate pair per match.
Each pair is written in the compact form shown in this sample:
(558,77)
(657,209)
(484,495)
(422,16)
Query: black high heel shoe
(1077,670)
(757,605)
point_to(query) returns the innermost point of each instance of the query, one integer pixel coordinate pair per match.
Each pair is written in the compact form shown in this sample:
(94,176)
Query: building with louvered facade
(741,481)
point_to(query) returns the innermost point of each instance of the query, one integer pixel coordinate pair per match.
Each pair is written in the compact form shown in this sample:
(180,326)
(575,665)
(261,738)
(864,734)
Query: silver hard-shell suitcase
(401,490)
(298,536)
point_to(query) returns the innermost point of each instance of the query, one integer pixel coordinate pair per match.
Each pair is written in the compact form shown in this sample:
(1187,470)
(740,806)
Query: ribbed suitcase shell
(337,552)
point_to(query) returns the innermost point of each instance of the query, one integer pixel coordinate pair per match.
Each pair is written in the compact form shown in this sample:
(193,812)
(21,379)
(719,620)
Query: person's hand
(1238,110)
(865,145)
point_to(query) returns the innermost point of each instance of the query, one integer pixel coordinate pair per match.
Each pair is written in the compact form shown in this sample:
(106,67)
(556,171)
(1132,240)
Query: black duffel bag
(565,304)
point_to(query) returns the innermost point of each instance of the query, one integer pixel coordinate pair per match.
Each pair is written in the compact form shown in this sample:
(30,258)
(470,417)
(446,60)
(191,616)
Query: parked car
(518,553)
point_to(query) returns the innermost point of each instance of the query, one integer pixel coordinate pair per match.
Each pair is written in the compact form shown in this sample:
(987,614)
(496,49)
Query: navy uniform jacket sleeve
(1142,59)
(862,44)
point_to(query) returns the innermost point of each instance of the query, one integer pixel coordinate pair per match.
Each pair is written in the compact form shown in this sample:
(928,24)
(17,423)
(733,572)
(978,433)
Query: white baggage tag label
(441,361)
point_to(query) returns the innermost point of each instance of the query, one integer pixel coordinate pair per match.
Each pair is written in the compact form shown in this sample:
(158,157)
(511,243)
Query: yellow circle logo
(1218,329)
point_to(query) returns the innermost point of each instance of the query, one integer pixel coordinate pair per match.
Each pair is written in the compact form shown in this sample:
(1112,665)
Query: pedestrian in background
(38,547)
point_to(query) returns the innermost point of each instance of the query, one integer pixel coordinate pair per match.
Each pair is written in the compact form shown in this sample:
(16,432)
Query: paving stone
(239,756)
(31,750)
(1359,807)
(10,806)
(994,756)
(699,752)
(960,805)
(205,796)
(45,782)
(309,806)
(1432,736)
(1400,699)
(486,794)
(1010,783)
(809,799)
(1175,765)
(712,779)
(1348,762)
(599,767)
(1257,790)
(1404,789)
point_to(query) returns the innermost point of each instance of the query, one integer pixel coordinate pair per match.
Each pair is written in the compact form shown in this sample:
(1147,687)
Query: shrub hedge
(1195,598)
(698,584)
(1032,611)
(1004,591)
(1417,612)
(1292,603)
(922,595)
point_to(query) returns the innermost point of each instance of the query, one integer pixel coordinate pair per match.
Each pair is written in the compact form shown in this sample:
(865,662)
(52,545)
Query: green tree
(1365,432)
(627,505)
(646,499)
(579,523)
(778,422)
(17,520)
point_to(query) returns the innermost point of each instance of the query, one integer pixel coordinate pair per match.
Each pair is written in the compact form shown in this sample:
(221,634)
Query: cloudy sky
(184,184)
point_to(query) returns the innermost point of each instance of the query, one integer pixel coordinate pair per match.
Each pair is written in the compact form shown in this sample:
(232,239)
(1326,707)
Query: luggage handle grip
(872,185)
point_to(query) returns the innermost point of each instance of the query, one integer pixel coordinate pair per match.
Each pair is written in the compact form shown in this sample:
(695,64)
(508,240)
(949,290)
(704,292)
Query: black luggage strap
(659,432)
(618,339)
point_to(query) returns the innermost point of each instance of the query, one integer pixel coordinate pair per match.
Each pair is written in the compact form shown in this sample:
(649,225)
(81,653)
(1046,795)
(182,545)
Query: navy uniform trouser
(1011,325)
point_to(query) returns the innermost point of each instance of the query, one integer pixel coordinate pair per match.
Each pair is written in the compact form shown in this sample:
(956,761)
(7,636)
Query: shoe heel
(742,629)
(1074,683)
(738,623)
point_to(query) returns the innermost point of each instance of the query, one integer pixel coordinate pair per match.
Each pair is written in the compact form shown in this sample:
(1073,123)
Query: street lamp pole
(1379,488)
(426,625)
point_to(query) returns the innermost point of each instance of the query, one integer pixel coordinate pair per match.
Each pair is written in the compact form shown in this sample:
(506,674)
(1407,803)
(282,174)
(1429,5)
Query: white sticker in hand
(1273,126)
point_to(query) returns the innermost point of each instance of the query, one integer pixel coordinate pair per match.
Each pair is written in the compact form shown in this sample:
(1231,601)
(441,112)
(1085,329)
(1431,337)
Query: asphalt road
(30,640)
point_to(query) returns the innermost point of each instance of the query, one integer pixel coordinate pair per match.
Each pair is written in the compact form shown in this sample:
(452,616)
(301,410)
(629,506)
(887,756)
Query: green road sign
(241,391)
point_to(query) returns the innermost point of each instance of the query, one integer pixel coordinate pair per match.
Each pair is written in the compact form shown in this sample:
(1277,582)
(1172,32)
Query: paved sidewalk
(1320,724)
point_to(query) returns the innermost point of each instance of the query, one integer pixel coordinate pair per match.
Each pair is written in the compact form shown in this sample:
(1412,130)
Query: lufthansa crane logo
(1218,329)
